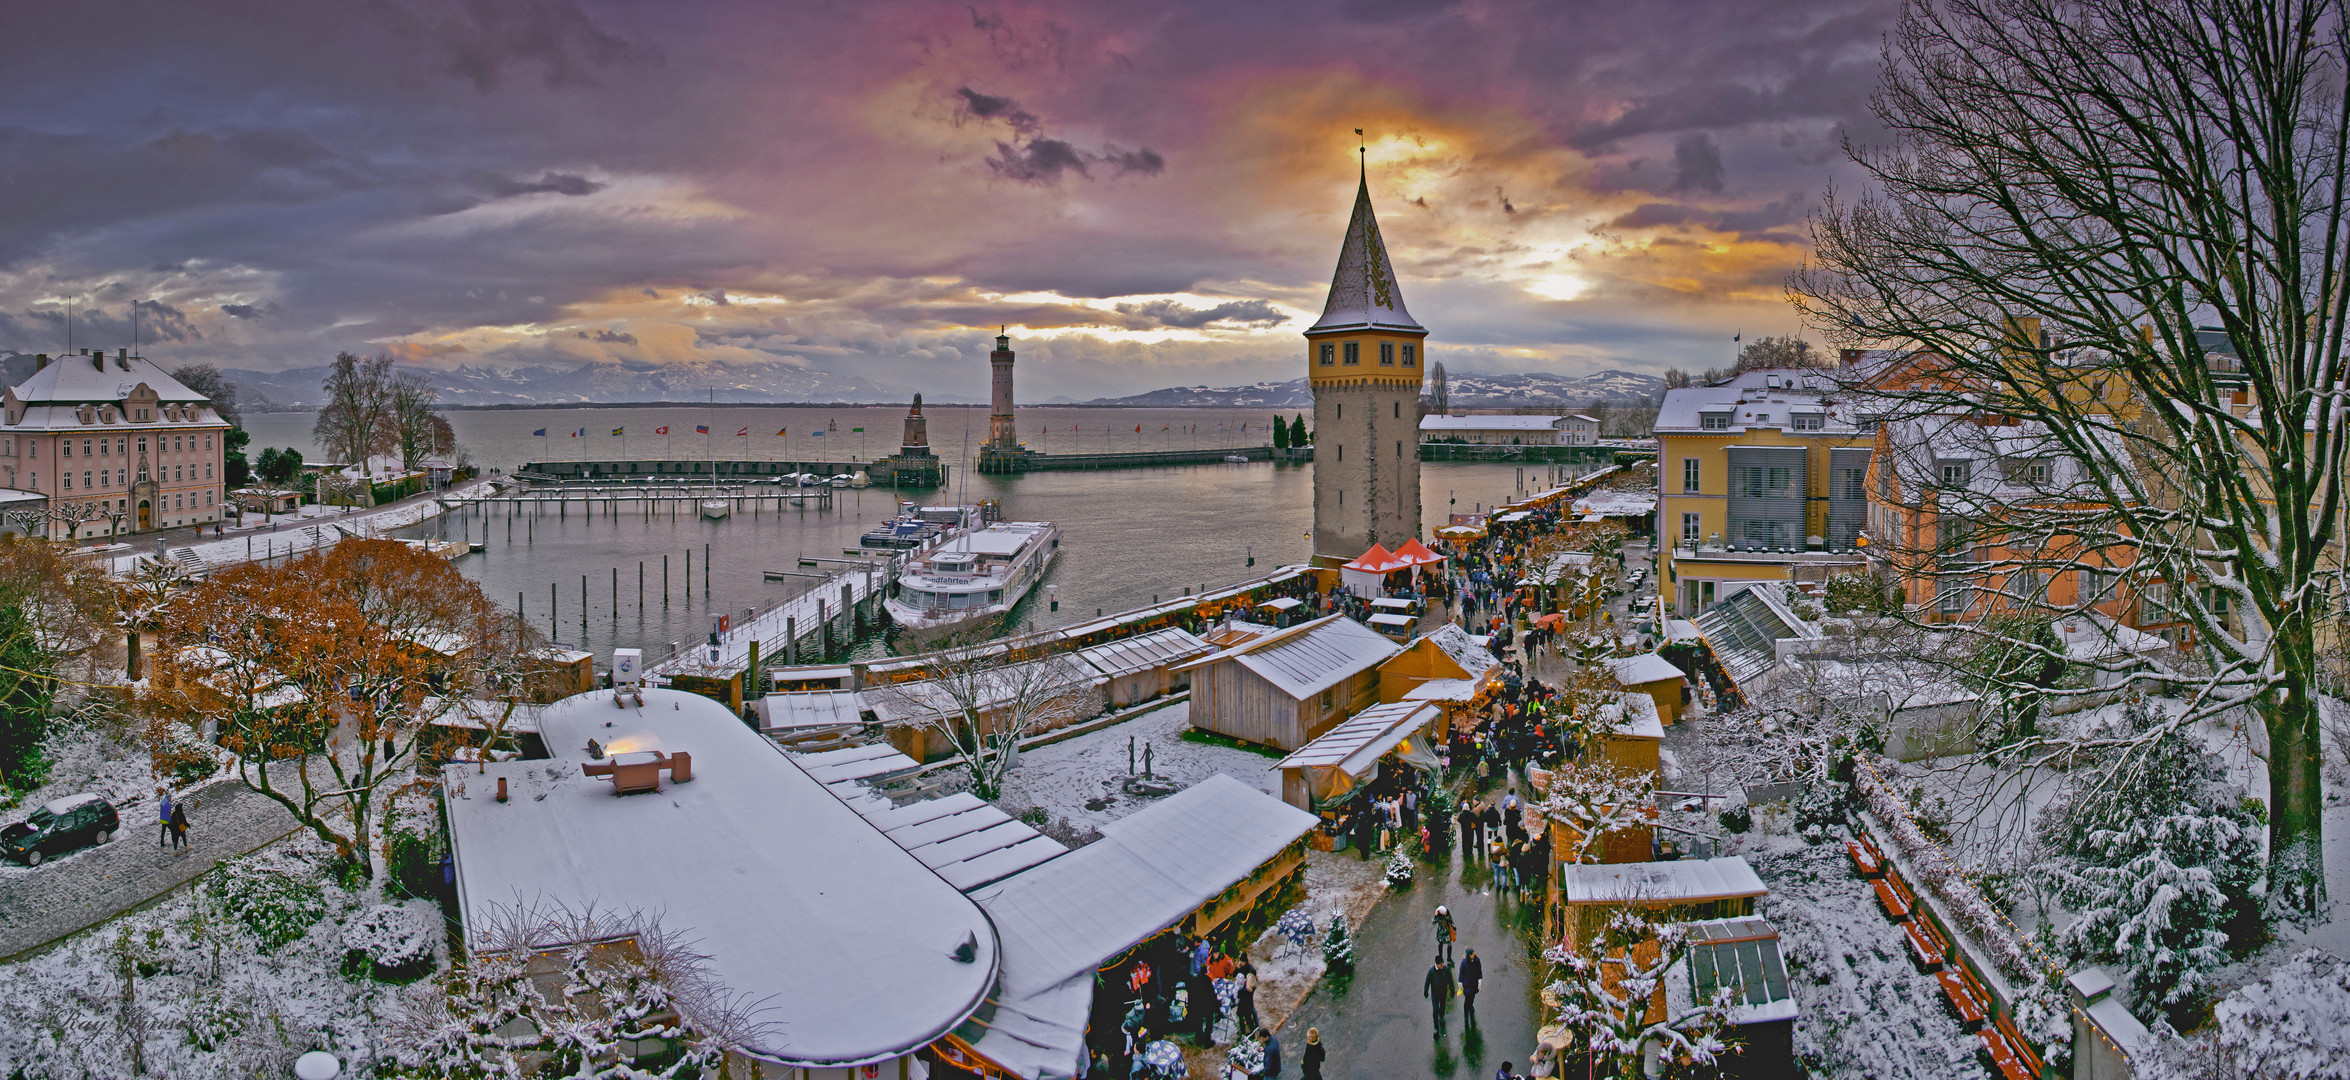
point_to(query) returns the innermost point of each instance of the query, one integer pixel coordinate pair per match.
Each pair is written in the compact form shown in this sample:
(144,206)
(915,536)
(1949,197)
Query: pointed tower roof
(1363,291)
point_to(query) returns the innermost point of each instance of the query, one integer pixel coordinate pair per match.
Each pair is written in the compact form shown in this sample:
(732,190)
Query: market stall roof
(1399,622)
(478,714)
(811,673)
(1416,553)
(1680,881)
(1634,716)
(771,873)
(1149,870)
(1378,560)
(873,761)
(1395,603)
(809,708)
(1363,738)
(1308,658)
(1158,648)
(1644,668)
(1443,690)
(1286,603)
(918,700)
(966,839)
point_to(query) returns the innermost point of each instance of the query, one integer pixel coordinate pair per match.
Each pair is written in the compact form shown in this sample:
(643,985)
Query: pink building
(115,444)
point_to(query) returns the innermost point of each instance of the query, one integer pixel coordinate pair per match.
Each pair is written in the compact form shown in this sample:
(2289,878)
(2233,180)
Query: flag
(782,432)
(745,432)
(1138,429)
(662,430)
(1738,335)
(856,429)
(618,430)
(1162,427)
(701,429)
(542,433)
(816,434)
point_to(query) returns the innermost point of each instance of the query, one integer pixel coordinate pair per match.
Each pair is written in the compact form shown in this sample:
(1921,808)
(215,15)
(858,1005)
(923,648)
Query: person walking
(1437,988)
(179,825)
(1272,1053)
(1472,974)
(1309,1067)
(1497,853)
(163,816)
(1446,933)
(1467,818)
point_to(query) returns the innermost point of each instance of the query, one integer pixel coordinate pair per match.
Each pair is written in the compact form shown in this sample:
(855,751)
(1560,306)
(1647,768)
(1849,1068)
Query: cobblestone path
(73,892)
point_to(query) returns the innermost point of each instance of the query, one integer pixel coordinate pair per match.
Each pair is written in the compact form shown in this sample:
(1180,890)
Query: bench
(1965,998)
(1926,946)
(1889,897)
(1864,861)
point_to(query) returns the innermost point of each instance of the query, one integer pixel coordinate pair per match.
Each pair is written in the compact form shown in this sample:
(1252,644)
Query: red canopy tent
(1366,574)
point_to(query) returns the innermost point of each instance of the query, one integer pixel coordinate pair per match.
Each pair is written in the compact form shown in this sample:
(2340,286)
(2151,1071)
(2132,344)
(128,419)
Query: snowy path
(316,527)
(71,893)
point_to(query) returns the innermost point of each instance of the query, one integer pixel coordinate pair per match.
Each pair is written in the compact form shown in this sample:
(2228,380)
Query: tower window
(1398,410)
(1354,353)
(1410,354)
(1399,448)
(1329,354)
(1387,353)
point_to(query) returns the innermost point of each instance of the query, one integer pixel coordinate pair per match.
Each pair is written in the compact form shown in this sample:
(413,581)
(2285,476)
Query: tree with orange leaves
(319,675)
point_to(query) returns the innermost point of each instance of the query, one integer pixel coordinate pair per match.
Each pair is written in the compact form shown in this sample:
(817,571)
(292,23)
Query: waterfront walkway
(73,892)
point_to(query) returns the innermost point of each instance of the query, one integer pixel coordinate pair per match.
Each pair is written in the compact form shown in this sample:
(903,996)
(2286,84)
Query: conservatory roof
(1681,881)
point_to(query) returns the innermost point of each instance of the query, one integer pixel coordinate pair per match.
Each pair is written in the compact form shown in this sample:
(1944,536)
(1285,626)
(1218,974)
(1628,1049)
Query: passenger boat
(973,578)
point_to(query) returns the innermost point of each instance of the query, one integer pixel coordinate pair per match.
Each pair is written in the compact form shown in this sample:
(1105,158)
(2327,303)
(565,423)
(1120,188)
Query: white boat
(1237,459)
(716,508)
(973,577)
(840,479)
(859,479)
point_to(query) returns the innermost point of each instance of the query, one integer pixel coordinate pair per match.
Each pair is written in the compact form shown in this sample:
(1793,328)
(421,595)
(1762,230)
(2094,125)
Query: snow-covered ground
(1335,884)
(1076,781)
(187,984)
(1865,1010)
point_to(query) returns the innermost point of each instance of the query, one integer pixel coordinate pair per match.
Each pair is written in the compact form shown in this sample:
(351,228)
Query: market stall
(1328,768)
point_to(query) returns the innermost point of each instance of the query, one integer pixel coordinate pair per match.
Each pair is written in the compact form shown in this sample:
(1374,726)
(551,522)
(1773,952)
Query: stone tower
(1363,361)
(1003,435)
(917,441)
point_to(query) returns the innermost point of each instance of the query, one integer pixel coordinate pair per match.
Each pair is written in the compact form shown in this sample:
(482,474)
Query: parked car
(59,826)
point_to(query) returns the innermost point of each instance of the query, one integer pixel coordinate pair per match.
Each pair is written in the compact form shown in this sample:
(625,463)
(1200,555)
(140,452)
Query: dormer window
(1716,421)
(1809,421)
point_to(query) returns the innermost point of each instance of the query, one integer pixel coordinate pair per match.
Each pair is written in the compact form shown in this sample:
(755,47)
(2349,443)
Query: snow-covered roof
(1462,649)
(1676,882)
(1442,690)
(1995,465)
(808,708)
(77,380)
(966,839)
(1158,648)
(1644,668)
(1741,953)
(799,901)
(917,700)
(1149,870)
(1757,406)
(1514,422)
(1617,502)
(1363,738)
(1632,716)
(1309,658)
(872,761)
(1744,629)
(2090,636)
(1363,290)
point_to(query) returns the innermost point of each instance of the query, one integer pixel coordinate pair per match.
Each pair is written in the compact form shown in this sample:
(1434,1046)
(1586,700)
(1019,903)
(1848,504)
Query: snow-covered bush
(2294,1023)
(2164,855)
(1399,866)
(1338,946)
(276,899)
(1248,1056)
(390,944)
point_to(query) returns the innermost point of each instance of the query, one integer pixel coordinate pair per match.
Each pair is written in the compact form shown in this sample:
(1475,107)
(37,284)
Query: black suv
(60,826)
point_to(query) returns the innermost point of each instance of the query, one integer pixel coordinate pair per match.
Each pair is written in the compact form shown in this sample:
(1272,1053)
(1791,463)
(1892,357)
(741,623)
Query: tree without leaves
(356,422)
(418,430)
(321,673)
(1439,390)
(982,697)
(2129,170)
(207,380)
(1776,352)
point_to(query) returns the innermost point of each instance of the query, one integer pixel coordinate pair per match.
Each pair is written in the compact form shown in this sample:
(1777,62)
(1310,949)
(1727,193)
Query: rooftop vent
(640,770)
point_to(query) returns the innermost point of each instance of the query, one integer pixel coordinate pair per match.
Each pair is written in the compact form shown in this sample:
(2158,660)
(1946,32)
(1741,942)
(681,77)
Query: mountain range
(1464,389)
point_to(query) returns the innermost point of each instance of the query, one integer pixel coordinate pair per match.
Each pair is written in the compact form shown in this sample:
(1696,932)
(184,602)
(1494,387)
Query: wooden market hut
(1145,667)
(1652,674)
(1341,758)
(1285,688)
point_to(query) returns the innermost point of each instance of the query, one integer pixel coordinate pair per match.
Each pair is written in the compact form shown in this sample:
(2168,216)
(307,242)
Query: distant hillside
(585,384)
(1468,391)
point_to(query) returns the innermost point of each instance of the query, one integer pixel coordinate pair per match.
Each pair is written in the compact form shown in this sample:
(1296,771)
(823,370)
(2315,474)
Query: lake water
(1127,536)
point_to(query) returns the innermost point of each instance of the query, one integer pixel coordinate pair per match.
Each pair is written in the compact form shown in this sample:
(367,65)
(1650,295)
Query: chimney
(122,359)
(98,359)
(501,789)
(681,767)
(40,360)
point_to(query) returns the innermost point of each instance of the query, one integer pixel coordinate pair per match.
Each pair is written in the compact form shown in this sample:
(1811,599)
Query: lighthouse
(1002,452)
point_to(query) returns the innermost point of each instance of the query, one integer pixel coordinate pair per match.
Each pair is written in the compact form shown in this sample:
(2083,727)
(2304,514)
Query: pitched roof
(1415,552)
(1378,560)
(76,379)
(1308,658)
(1363,291)
(1488,422)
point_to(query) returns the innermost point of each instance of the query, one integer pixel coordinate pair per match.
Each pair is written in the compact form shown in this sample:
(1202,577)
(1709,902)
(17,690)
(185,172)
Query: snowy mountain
(586,383)
(1468,390)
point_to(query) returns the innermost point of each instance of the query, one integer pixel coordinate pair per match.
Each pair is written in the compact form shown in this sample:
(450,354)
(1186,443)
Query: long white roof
(1491,423)
(1309,658)
(1677,881)
(75,380)
(1145,651)
(796,898)
(1363,738)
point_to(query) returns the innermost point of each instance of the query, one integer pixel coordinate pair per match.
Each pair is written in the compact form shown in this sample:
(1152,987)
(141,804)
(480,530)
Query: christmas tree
(1338,946)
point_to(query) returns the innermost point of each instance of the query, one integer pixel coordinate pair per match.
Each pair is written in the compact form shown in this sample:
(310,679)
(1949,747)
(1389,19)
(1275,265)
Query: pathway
(1376,1025)
(71,893)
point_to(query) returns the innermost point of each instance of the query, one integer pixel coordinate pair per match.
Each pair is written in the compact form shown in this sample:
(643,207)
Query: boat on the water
(917,526)
(973,578)
(1237,459)
(715,509)
(858,479)
(447,549)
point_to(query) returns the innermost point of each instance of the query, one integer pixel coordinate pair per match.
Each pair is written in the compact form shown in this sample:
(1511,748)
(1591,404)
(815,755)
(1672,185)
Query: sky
(1148,193)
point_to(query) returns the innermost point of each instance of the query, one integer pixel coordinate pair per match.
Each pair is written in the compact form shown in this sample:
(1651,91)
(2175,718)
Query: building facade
(115,444)
(1363,362)
(1764,478)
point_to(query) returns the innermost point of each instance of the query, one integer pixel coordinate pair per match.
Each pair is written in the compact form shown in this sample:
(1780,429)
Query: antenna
(69,328)
(1362,154)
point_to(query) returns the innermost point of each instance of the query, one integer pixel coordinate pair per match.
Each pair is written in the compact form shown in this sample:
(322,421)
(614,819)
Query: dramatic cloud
(1148,194)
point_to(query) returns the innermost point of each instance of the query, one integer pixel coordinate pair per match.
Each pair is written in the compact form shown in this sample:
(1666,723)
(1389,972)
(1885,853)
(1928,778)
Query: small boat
(716,509)
(1237,459)
(809,479)
(840,479)
(447,549)
(859,479)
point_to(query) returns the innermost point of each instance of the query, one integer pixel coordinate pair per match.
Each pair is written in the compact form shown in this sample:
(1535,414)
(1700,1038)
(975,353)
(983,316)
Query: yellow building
(1763,478)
